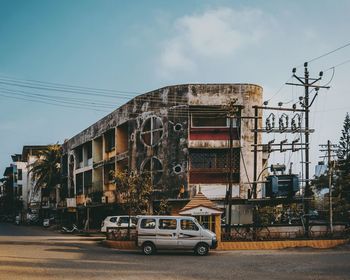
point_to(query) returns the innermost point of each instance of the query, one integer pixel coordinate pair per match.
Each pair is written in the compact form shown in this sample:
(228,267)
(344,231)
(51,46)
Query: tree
(344,142)
(134,191)
(342,173)
(46,169)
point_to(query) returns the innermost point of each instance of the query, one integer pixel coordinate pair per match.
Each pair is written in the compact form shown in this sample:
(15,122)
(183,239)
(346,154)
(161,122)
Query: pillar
(218,227)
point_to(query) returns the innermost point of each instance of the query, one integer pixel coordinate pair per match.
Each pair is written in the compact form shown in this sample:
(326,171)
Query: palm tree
(46,170)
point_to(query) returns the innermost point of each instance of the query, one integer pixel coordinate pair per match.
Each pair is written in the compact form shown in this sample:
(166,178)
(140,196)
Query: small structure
(206,212)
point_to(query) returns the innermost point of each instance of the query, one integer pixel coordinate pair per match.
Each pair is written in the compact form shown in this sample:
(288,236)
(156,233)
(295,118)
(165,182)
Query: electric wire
(2,94)
(59,99)
(60,85)
(326,54)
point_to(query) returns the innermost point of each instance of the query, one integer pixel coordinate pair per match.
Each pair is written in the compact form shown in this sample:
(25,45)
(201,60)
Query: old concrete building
(178,134)
(27,199)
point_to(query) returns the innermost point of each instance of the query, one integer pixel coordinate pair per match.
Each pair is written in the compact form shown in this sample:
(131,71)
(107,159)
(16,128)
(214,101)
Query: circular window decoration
(177,169)
(178,127)
(154,167)
(152,131)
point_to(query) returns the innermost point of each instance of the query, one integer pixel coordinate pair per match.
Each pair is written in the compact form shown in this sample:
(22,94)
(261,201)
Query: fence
(249,233)
(121,233)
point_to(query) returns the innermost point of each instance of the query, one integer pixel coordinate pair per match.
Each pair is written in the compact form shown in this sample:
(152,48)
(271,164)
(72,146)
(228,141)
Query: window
(152,131)
(154,167)
(108,172)
(188,225)
(109,140)
(113,219)
(148,223)
(80,154)
(123,220)
(202,116)
(89,149)
(87,181)
(205,120)
(79,183)
(19,174)
(19,190)
(167,223)
(214,158)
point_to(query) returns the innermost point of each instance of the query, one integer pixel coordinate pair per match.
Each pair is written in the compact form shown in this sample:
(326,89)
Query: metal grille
(214,158)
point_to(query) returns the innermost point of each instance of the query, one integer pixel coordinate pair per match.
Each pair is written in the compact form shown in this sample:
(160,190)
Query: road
(34,253)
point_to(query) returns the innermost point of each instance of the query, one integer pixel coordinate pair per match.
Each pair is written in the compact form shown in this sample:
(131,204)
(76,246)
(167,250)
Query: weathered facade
(179,134)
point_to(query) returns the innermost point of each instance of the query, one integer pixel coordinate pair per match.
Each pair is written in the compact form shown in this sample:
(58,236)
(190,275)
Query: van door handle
(174,234)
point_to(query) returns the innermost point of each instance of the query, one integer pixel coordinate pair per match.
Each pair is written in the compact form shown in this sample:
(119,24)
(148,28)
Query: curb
(249,245)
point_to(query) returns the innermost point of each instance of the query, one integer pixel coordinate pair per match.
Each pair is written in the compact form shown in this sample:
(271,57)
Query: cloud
(213,34)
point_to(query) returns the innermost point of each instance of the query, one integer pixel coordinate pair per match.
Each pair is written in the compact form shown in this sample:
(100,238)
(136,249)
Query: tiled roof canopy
(200,200)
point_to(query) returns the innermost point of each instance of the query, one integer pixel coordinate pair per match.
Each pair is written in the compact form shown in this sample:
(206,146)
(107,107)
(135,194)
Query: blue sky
(138,46)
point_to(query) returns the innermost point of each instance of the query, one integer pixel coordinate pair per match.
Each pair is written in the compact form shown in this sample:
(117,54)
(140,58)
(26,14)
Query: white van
(173,232)
(118,221)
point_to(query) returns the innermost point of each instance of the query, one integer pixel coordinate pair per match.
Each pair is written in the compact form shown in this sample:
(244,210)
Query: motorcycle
(72,230)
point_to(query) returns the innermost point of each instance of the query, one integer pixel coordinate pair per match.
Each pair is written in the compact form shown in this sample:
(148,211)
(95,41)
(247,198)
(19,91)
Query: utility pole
(230,175)
(330,186)
(329,149)
(307,83)
(233,109)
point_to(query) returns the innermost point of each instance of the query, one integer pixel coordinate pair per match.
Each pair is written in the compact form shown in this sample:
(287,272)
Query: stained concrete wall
(171,105)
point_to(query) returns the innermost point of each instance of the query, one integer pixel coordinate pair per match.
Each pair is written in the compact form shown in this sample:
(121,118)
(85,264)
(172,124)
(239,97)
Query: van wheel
(201,249)
(148,248)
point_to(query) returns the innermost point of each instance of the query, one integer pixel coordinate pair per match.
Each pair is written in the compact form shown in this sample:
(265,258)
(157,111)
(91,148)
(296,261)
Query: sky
(131,47)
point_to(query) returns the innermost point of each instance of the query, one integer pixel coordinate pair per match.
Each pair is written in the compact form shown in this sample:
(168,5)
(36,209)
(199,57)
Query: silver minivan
(173,232)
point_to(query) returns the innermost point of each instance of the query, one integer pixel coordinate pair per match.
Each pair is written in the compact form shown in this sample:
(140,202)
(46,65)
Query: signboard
(71,202)
(201,211)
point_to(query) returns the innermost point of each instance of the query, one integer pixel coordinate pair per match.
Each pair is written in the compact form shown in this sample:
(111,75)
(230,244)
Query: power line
(330,52)
(68,86)
(340,64)
(48,103)
(327,53)
(61,99)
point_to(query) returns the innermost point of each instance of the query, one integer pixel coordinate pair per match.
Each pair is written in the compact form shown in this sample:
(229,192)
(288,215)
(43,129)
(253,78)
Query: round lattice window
(154,167)
(152,131)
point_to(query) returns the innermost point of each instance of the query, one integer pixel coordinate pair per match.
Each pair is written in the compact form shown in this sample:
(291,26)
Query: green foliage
(344,142)
(279,214)
(134,191)
(164,208)
(341,193)
(319,183)
(46,170)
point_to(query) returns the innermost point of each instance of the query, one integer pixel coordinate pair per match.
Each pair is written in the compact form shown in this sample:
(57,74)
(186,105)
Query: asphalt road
(34,253)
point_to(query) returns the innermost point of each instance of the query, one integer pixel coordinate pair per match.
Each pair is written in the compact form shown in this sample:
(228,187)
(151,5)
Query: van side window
(167,223)
(113,219)
(188,225)
(148,223)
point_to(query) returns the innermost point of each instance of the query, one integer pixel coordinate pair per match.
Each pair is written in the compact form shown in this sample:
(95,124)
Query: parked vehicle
(173,232)
(118,221)
(48,222)
(17,220)
(72,230)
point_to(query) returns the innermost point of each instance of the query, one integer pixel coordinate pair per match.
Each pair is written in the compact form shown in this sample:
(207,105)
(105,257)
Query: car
(118,222)
(173,233)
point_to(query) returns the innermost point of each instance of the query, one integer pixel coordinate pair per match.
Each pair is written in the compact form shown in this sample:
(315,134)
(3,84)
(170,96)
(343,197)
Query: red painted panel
(212,134)
(198,177)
